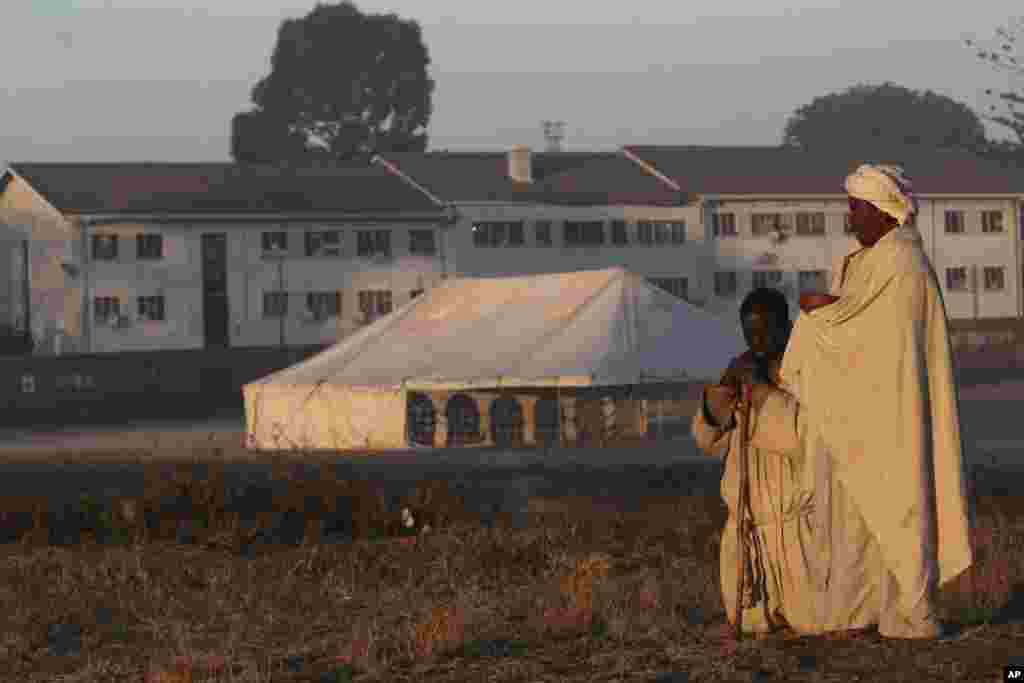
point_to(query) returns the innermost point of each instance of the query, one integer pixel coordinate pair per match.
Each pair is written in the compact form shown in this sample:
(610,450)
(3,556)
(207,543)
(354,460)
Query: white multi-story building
(176,256)
(181,256)
(530,213)
(969,217)
(725,220)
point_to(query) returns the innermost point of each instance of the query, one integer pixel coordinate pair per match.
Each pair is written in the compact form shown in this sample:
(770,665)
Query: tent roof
(585,328)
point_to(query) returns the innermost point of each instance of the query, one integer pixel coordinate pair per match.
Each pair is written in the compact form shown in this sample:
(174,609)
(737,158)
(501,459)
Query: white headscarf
(884,187)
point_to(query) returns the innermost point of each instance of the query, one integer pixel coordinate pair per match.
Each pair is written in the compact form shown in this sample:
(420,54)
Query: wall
(660,261)
(11,286)
(798,252)
(176,277)
(973,249)
(55,296)
(123,386)
(807,252)
(348,273)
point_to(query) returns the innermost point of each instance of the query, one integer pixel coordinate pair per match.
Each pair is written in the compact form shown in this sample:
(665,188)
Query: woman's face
(868,223)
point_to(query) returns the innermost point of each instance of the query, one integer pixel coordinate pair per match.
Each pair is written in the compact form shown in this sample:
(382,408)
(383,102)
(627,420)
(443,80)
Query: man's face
(868,223)
(765,335)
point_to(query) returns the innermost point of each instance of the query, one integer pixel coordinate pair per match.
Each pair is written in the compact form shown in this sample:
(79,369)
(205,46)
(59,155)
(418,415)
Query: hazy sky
(140,80)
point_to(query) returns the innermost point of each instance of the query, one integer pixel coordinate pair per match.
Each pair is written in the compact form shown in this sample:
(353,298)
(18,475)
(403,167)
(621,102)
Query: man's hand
(759,392)
(721,400)
(741,370)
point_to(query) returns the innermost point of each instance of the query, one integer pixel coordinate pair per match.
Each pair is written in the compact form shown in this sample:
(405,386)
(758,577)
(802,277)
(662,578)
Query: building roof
(572,178)
(220,188)
(777,170)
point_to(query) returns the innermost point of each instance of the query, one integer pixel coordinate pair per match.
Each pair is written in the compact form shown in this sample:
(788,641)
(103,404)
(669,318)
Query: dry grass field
(190,582)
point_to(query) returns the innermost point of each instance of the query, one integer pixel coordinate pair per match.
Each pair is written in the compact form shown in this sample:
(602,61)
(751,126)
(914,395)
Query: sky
(141,80)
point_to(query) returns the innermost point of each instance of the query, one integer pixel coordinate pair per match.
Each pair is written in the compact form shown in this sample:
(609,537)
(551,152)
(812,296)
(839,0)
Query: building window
(676,286)
(723,224)
(762,224)
(542,233)
(645,232)
(415,293)
(956,279)
(954,222)
(104,247)
(767,278)
(374,303)
(151,307)
(515,234)
(274,241)
(661,232)
(994,278)
(725,283)
(583,233)
(422,242)
(498,234)
(370,243)
(620,236)
(488,234)
(991,221)
(105,308)
(324,304)
(149,247)
(847,225)
(323,243)
(76,382)
(812,280)
(275,304)
(810,223)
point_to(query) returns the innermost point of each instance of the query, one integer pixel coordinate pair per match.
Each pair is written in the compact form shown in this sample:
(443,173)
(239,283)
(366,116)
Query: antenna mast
(554,133)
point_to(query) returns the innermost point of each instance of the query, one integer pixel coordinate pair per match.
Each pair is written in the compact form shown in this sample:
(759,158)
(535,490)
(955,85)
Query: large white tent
(578,329)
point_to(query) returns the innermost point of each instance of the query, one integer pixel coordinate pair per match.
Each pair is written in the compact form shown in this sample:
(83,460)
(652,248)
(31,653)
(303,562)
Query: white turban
(884,187)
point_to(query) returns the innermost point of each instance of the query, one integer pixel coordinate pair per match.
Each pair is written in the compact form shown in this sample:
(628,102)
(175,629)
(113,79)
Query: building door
(215,290)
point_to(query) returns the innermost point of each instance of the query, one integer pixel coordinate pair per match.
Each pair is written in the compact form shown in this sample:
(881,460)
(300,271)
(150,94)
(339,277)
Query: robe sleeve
(711,439)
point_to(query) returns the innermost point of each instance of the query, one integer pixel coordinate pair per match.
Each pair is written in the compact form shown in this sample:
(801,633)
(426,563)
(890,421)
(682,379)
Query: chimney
(519,165)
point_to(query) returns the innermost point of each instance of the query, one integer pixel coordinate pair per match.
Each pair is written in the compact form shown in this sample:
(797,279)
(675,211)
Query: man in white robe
(879,423)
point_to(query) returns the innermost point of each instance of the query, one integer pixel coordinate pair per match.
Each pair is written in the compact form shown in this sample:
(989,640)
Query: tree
(343,85)
(257,138)
(882,117)
(1000,54)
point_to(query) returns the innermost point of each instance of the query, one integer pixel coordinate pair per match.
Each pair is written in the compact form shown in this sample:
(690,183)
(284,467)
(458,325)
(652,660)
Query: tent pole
(561,425)
(661,418)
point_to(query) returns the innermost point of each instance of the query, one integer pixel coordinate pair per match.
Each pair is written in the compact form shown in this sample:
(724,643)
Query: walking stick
(742,506)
